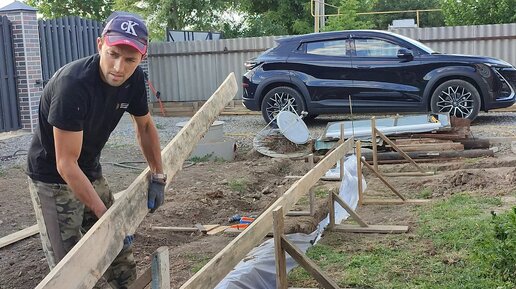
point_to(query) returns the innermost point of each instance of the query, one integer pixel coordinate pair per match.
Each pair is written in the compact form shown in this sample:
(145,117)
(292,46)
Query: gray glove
(156,194)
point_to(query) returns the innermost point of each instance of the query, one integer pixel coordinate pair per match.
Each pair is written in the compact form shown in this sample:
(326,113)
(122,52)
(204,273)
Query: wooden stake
(359,172)
(392,144)
(373,141)
(383,180)
(160,269)
(281,261)
(331,207)
(308,265)
(350,210)
(341,161)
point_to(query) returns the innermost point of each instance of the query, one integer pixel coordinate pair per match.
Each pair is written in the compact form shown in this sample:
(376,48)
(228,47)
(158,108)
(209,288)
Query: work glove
(128,242)
(156,194)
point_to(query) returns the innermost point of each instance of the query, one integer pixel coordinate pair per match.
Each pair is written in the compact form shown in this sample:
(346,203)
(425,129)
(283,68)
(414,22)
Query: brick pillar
(27,60)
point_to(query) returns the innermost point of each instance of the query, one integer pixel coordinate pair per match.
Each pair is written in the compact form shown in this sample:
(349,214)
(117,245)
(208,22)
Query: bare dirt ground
(211,192)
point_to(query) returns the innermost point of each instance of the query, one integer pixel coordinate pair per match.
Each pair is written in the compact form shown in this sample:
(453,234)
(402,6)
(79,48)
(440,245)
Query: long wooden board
(89,259)
(218,267)
(20,235)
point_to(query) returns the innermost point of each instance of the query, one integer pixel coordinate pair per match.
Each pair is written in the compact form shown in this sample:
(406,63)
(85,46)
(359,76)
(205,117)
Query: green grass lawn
(446,249)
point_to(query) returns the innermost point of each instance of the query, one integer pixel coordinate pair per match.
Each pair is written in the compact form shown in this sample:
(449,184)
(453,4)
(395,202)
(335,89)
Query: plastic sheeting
(258,269)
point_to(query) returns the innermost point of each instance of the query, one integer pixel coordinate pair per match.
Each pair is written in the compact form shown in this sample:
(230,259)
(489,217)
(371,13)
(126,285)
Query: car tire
(458,97)
(277,99)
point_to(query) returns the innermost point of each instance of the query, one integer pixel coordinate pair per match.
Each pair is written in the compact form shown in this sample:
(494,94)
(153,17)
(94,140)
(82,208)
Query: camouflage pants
(62,221)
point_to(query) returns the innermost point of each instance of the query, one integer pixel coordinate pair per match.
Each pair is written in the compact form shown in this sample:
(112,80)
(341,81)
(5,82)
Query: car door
(383,81)
(324,66)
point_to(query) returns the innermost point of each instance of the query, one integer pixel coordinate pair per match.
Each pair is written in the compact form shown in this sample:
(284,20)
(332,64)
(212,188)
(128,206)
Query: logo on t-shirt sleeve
(122,105)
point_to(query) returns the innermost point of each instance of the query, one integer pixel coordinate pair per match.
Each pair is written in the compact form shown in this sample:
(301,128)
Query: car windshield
(418,44)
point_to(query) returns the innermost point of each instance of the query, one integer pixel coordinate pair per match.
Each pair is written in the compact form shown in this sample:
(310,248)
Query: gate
(9,112)
(64,40)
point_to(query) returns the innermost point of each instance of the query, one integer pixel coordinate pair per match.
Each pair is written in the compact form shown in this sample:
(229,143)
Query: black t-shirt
(76,99)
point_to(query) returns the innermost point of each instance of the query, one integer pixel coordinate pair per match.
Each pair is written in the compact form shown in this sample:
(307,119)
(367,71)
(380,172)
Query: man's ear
(99,44)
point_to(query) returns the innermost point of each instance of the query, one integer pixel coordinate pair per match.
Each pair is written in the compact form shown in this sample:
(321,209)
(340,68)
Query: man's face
(117,62)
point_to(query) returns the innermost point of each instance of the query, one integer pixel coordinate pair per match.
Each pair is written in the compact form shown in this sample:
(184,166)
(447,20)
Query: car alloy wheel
(280,99)
(457,97)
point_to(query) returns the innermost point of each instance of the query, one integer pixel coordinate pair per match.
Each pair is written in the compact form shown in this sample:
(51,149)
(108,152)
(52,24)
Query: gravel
(241,128)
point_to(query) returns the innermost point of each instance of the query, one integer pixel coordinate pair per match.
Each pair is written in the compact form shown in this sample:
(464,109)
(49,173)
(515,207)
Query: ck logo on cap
(128,27)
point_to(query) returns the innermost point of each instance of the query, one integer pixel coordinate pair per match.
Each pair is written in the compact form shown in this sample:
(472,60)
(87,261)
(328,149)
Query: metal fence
(497,40)
(9,113)
(64,40)
(191,71)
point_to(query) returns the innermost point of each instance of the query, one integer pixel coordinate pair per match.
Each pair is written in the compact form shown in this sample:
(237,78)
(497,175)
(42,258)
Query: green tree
(199,15)
(477,12)
(347,18)
(92,9)
(277,17)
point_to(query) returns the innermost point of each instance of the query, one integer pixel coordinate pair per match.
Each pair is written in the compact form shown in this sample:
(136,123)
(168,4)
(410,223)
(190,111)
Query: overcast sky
(5,2)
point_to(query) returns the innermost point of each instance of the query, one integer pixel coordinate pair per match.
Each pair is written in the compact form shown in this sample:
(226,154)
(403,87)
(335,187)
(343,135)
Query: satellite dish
(293,127)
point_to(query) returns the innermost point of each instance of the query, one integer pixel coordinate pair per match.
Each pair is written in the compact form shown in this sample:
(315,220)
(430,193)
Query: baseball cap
(127,29)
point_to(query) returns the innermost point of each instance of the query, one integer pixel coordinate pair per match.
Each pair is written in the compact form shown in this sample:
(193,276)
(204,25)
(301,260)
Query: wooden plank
(408,174)
(176,229)
(386,229)
(298,213)
(395,201)
(82,269)
(142,281)
(436,147)
(160,269)
(424,140)
(371,168)
(17,236)
(309,265)
(218,267)
(400,151)
(350,210)
(217,230)
(279,252)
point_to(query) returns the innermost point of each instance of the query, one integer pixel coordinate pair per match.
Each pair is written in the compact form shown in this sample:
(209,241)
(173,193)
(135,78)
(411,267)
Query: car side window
(329,47)
(371,47)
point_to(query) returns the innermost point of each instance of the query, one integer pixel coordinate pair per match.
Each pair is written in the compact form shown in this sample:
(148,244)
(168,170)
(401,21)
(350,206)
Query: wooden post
(373,140)
(311,192)
(359,172)
(279,252)
(331,213)
(160,269)
(341,161)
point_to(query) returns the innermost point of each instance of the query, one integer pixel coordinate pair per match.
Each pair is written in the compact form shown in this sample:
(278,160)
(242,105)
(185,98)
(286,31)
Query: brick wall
(28,64)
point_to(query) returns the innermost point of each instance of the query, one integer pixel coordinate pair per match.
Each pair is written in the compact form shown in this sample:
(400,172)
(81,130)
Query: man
(80,107)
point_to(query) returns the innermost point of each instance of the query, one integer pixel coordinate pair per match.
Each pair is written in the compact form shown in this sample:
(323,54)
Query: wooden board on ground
(82,269)
(386,229)
(17,236)
(368,201)
(218,267)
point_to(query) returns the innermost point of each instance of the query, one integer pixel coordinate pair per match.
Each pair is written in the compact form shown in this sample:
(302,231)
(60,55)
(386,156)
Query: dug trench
(210,192)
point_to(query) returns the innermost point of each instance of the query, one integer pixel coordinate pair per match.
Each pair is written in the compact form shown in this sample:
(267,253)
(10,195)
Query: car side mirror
(405,54)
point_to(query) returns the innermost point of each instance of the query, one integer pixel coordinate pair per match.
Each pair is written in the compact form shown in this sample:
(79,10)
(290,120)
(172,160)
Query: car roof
(332,34)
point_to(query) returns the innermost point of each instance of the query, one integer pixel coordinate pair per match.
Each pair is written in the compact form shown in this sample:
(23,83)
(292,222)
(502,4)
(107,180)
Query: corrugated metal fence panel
(192,70)
(64,40)
(496,40)
(9,116)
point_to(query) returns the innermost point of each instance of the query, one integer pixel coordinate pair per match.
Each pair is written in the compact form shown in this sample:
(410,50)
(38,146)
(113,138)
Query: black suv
(378,71)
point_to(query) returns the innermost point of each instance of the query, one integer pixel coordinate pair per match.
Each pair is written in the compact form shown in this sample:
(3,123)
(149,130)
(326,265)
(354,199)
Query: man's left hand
(156,194)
